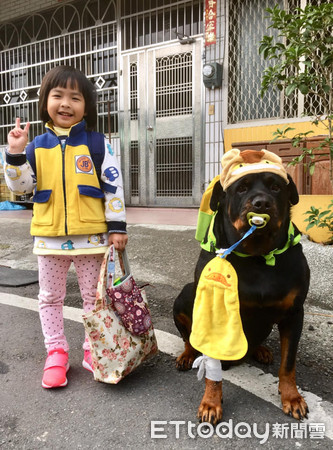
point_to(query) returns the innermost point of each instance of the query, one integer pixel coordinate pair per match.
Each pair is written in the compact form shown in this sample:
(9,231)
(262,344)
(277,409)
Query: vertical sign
(210,22)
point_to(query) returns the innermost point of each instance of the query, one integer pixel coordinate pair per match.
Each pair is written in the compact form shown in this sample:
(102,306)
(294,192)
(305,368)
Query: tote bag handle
(107,274)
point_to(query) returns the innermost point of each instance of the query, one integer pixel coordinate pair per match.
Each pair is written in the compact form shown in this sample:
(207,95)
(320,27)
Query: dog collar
(210,245)
(270,257)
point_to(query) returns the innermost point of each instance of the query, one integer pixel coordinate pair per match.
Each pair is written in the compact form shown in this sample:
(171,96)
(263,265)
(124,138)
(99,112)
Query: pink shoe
(87,361)
(55,369)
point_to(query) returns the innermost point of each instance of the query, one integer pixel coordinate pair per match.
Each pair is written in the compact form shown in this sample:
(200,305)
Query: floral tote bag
(120,330)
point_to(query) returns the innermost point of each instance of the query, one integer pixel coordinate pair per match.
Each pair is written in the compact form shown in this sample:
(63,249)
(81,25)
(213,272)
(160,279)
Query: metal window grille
(64,20)
(9,36)
(34,28)
(134,91)
(134,169)
(174,85)
(149,22)
(247,25)
(174,167)
(26,57)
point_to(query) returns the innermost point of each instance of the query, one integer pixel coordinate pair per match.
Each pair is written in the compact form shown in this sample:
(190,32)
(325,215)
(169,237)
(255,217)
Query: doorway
(161,125)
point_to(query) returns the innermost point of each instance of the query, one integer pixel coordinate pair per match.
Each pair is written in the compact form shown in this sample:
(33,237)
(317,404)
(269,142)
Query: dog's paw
(211,413)
(263,355)
(295,406)
(185,361)
(210,409)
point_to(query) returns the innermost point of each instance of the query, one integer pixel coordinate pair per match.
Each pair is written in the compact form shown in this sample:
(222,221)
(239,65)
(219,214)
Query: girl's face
(65,106)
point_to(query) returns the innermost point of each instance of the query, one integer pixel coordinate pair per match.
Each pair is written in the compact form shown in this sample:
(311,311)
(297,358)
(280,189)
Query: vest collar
(74,129)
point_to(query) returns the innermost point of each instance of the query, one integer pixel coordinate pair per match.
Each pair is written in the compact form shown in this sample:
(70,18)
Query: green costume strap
(270,257)
(205,213)
(210,244)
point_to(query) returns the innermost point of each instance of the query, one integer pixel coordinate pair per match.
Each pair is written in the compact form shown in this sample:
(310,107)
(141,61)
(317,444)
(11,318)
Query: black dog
(268,294)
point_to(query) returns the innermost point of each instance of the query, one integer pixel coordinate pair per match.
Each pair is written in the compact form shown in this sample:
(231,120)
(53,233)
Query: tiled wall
(10,10)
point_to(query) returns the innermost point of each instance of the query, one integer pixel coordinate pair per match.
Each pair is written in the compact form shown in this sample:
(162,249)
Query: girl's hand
(18,138)
(119,240)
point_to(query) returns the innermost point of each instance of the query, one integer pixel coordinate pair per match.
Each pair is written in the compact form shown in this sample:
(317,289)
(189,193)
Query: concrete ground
(86,414)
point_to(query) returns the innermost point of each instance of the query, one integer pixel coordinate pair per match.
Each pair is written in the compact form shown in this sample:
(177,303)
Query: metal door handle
(150,128)
(151,146)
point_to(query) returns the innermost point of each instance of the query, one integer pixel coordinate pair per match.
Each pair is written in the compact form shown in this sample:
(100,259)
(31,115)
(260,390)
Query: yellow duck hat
(217,329)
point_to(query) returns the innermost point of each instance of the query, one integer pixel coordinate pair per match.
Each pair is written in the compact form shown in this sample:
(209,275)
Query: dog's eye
(275,188)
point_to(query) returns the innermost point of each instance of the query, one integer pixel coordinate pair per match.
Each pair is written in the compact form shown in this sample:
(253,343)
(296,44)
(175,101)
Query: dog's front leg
(292,402)
(210,409)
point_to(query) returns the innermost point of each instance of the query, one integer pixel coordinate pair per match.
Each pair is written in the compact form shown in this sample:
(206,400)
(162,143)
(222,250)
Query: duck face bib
(217,329)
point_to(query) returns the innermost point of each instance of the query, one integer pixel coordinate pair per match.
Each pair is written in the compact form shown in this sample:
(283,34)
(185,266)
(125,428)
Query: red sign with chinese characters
(210,22)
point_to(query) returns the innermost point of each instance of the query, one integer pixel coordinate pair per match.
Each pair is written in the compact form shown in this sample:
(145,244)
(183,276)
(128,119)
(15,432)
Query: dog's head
(253,182)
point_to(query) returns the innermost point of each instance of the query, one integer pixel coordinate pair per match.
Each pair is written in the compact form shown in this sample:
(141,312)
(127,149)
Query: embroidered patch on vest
(13,172)
(116,205)
(96,239)
(84,164)
(111,173)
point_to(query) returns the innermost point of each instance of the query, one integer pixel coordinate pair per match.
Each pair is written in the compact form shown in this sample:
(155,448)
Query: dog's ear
(293,194)
(217,197)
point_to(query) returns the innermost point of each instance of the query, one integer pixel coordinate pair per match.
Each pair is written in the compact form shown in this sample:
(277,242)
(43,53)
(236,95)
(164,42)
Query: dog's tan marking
(238,224)
(292,402)
(289,299)
(263,354)
(185,360)
(210,409)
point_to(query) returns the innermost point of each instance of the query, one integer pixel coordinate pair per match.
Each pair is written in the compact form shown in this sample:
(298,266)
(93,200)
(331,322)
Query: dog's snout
(261,203)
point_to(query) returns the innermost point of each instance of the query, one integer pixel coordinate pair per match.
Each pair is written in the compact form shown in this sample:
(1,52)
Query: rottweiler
(273,274)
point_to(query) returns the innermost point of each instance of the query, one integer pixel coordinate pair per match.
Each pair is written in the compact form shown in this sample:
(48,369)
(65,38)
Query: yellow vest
(68,198)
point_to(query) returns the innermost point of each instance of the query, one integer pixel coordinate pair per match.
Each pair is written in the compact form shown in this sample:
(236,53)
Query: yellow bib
(217,327)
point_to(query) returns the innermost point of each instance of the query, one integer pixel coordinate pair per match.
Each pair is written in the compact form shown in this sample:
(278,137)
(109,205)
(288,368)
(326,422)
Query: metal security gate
(161,126)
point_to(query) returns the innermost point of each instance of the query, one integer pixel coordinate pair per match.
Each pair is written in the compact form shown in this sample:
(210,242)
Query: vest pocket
(91,207)
(43,207)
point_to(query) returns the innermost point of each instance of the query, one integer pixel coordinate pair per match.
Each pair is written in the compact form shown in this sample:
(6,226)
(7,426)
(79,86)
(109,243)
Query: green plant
(321,219)
(302,60)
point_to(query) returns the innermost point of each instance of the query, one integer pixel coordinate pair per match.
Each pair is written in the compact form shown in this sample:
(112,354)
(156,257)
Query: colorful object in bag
(127,300)
(217,329)
(115,351)
(117,281)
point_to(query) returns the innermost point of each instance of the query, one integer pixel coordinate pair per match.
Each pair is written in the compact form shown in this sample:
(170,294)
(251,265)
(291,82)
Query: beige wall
(305,202)
(265,132)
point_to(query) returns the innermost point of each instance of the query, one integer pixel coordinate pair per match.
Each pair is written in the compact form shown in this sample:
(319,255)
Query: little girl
(78,207)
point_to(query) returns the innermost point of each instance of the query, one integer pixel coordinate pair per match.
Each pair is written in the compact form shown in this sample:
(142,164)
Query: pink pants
(53,271)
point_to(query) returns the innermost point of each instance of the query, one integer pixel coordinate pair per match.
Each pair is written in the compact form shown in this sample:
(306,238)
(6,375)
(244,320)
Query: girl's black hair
(59,77)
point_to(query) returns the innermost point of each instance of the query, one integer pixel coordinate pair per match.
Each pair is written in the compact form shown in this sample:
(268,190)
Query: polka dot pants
(53,271)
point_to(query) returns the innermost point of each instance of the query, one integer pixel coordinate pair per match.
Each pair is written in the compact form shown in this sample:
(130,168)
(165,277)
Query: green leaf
(312,169)
(303,88)
(290,89)
(322,214)
(311,225)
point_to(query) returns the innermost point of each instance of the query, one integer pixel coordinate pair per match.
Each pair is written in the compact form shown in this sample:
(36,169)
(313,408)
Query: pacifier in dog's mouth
(259,220)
